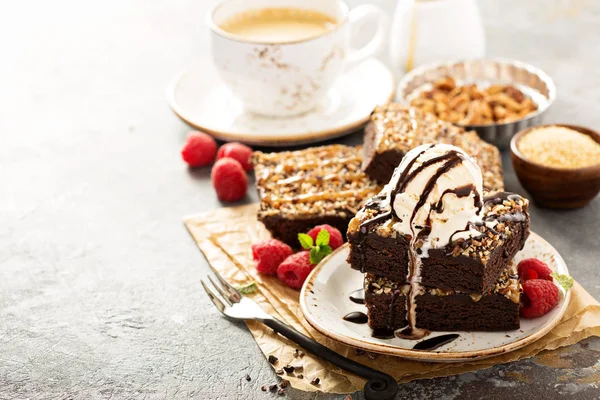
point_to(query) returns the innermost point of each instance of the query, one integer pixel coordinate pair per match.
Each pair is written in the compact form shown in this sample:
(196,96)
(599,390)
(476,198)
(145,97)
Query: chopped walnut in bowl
(494,97)
(472,104)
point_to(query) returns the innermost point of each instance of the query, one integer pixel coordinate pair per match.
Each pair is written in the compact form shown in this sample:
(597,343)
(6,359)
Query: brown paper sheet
(225,236)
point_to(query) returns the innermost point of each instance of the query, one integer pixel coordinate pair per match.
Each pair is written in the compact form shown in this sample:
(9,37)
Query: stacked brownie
(395,129)
(329,184)
(467,282)
(301,189)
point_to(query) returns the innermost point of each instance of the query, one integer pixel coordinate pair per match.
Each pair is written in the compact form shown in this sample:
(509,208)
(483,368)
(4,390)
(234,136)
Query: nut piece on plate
(472,105)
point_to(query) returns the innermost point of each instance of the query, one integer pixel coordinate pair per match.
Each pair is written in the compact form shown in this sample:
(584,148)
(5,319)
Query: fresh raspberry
(294,269)
(238,152)
(335,236)
(539,297)
(532,268)
(229,180)
(269,254)
(199,149)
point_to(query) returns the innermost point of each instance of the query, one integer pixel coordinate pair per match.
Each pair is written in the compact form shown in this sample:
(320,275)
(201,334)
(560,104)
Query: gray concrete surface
(99,281)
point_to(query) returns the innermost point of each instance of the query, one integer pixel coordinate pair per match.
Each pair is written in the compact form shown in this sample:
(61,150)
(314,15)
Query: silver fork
(233,304)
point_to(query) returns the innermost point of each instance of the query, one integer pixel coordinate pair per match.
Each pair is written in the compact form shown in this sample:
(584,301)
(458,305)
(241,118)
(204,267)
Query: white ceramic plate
(324,301)
(202,100)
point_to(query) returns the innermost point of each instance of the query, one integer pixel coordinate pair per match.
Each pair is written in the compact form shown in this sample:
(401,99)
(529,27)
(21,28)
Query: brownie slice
(472,265)
(464,272)
(304,188)
(444,310)
(386,302)
(381,255)
(440,310)
(395,129)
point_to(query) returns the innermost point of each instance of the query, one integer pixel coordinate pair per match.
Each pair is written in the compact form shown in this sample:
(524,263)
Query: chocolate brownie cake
(448,310)
(386,302)
(469,265)
(395,129)
(431,228)
(444,310)
(301,189)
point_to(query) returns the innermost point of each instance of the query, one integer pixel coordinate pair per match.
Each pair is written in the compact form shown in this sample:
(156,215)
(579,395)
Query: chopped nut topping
(403,128)
(471,105)
(381,285)
(324,180)
(483,246)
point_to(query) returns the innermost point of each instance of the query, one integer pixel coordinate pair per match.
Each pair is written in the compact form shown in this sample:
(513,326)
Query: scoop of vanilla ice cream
(436,191)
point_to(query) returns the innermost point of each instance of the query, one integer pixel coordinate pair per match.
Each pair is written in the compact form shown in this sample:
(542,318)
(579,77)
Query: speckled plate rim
(254,139)
(419,355)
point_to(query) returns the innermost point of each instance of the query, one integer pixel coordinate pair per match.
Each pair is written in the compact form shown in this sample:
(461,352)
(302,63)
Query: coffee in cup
(279,25)
(281,57)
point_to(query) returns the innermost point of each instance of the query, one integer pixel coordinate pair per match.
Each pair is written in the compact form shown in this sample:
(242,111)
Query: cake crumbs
(560,147)
(298,353)
(289,369)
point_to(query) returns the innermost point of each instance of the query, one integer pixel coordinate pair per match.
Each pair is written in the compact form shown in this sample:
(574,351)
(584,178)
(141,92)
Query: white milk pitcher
(424,31)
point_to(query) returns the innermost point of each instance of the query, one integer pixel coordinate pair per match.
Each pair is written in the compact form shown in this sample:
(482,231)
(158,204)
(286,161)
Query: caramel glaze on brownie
(472,265)
(304,188)
(395,129)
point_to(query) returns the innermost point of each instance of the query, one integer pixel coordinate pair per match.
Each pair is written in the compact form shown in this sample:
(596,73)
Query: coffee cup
(281,57)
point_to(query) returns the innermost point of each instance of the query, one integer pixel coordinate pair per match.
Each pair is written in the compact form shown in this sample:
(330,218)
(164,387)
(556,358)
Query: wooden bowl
(556,187)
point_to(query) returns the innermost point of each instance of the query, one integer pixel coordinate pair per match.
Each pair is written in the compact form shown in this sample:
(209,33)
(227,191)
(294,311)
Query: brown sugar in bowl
(555,187)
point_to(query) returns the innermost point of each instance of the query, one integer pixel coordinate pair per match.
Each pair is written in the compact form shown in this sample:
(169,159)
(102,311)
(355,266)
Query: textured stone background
(99,281)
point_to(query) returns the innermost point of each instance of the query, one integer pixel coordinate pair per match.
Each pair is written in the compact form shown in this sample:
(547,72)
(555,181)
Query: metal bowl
(532,81)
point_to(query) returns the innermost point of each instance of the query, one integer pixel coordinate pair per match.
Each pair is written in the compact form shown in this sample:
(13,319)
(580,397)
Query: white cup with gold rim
(280,57)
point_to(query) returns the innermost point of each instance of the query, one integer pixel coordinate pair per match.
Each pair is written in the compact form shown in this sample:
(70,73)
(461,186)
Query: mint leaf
(247,289)
(318,253)
(314,256)
(325,250)
(305,241)
(565,281)
(322,238)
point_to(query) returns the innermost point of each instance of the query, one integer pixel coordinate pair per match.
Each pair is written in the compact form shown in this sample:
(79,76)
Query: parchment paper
(225,236)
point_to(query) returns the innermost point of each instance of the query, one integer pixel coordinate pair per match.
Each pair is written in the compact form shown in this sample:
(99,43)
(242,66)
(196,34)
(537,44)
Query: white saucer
(202,100)
(324,301)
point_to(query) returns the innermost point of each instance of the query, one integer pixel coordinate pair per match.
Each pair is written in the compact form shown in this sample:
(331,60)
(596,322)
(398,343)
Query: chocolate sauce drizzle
(436,342)
(356,317)
(463,191)
(358,296)
(382,333)
(392,311)
(449,160)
